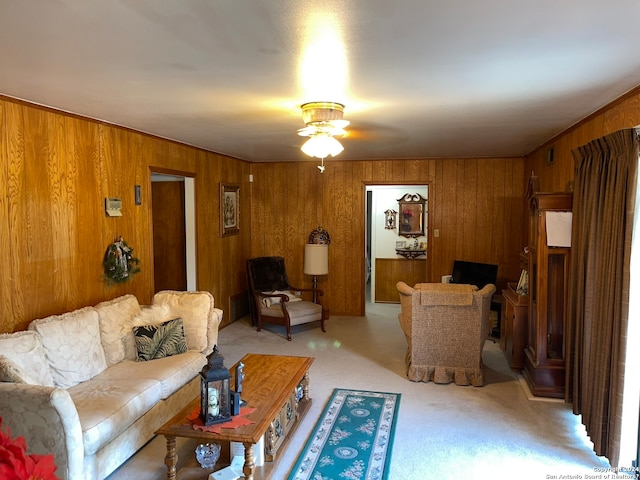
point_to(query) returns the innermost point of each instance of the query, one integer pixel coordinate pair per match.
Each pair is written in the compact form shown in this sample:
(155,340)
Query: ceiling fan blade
(325,128)
(336,132)
(339,123)
(307,131)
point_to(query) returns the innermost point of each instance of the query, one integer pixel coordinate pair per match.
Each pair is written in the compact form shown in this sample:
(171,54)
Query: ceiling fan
(324,122)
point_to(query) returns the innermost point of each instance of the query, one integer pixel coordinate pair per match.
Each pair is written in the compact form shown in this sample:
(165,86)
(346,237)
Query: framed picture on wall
(411,215)
(229,209)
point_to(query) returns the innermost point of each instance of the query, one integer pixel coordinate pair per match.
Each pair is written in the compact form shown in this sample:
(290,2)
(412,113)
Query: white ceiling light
(322,145)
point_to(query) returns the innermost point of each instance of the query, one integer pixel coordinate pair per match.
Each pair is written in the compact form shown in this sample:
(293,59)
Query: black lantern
(214,390)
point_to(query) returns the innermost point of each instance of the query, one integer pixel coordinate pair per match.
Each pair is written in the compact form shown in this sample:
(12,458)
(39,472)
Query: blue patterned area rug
(352,439)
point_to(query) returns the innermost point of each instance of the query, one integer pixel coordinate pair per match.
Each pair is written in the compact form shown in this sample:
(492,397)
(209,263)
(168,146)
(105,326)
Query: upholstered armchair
(446,326)
(275,300)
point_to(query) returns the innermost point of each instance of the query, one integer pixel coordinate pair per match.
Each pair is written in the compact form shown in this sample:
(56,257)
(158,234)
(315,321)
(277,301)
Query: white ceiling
(423,78)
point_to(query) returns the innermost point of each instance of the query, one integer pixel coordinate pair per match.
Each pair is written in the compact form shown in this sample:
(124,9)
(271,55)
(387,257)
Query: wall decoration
(229,209)
(119,264)
(390,219)
(411,216)
(320,235)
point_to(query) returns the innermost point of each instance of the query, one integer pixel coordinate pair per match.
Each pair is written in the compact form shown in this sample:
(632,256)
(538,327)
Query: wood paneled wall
(55,171)
(476,204)
(389,271)
(620,114)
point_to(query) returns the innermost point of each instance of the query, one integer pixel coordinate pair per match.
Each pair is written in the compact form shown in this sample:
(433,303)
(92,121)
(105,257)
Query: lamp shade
(316,259)
(322,146)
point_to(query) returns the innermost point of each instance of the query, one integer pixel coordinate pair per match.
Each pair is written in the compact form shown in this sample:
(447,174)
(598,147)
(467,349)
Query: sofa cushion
(107,408)
(195,308)
(172,372)
(10,372)
(115,320)
(159,341)
(72,345)
(151,315)
(24,349)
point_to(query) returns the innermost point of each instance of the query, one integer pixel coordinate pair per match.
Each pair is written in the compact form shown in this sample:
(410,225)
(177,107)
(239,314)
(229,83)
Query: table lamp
(316,262)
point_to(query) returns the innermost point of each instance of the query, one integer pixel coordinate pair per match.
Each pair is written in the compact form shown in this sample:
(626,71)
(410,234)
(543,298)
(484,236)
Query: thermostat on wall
(113,207)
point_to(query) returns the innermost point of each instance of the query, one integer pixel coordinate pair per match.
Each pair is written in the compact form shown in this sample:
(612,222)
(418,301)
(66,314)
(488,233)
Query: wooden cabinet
(548,291)
(513,327)
(280,428)
(390,271)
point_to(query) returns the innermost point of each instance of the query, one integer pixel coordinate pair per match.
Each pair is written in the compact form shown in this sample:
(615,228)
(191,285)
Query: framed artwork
(411,215)
(229,209)
(390,219)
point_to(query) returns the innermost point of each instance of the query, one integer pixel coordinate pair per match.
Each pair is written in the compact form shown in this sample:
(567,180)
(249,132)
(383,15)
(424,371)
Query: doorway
(173,232)
(383,266)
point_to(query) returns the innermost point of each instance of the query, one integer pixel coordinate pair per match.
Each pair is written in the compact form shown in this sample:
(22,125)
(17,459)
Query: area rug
(352,439)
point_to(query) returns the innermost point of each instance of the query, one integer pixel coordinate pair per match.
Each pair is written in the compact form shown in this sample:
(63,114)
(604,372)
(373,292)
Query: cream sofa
(72,386)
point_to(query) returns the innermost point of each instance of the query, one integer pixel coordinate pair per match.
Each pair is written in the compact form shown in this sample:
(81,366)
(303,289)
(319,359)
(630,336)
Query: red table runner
(236,421)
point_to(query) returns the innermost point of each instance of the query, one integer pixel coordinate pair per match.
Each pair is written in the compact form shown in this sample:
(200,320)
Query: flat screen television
(474,273)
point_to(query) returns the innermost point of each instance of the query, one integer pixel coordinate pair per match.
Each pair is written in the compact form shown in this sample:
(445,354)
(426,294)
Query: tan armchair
(275,300)
(446,326)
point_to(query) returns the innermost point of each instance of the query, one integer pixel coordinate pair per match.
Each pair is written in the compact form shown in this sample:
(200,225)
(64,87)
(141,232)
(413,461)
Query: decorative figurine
(239,378)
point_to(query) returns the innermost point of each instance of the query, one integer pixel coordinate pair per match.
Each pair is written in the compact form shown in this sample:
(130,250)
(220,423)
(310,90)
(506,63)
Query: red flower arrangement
(15,464)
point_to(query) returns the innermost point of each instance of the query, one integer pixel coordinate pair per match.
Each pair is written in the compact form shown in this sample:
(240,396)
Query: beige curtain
(603,204)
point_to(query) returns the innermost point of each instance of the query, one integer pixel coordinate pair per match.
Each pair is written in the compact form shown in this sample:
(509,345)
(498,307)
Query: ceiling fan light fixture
(323,122)
(322,146)
(319,112)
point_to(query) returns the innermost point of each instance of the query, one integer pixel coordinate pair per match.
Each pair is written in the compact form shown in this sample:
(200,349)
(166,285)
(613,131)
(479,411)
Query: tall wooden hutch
(544,366)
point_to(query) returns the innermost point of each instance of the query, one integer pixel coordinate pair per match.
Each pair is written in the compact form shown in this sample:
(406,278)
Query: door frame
(429,235)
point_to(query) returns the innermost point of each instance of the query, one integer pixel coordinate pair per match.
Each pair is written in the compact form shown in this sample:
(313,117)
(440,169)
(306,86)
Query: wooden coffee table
(277,387)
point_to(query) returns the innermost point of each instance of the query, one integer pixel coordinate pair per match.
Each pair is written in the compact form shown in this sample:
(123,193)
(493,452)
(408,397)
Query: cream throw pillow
(10,372)
(268,301)
(195,309)
(115,319)
(24,349)
(72,345)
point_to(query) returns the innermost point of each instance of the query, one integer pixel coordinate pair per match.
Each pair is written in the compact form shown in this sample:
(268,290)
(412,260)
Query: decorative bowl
(207,454)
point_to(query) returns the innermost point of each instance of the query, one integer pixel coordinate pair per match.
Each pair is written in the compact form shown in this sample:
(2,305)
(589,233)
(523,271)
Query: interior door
(169,235)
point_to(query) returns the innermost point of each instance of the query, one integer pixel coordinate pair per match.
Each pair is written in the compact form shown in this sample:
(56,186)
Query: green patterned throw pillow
(158,341)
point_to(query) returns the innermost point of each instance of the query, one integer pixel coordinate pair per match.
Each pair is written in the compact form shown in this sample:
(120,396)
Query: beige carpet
(443,431)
